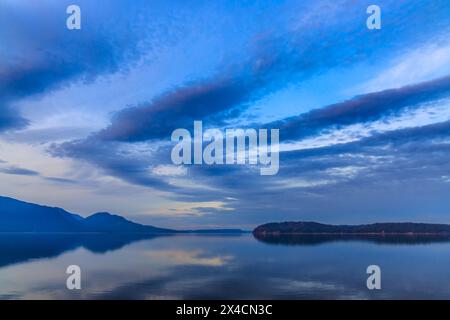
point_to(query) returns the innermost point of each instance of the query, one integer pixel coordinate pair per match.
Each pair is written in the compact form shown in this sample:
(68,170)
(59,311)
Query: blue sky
(364,115)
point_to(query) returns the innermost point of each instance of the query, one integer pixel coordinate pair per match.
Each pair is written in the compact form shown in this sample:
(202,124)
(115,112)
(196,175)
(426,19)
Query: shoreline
(355,233)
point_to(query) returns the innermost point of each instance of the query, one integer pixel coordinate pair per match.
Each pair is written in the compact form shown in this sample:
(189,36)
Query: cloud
(131,164)
(14,170)
(134,146)
(43,55)
(178,109)
(363,108)
(433,59)
(340,181)
(416,138)
(10,120)
(169,170)
(60,180)
(46,135)
(311,171)
(389,158)
(273,61)
(19,171)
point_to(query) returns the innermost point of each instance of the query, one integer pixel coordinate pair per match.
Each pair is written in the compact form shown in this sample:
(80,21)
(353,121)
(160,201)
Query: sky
(86,115)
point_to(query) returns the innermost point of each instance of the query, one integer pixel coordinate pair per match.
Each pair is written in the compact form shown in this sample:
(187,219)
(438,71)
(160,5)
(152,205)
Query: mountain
(20,216)
(106,222)
(285,228)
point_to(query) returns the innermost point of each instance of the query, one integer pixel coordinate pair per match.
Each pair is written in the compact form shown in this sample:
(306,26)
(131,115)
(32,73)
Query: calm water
(215,267)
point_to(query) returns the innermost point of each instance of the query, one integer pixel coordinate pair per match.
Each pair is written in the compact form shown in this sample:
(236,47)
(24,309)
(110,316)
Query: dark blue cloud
(402,174)
(364,108)
(61,180)
(14,170)
(43,55)
(413,139)
(275,61)
(116,160)
(19,171)
(9,119)
(178,109)
(354,179)
(399,155)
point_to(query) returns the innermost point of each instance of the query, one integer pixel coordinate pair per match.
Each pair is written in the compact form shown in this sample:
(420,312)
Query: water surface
(221,267)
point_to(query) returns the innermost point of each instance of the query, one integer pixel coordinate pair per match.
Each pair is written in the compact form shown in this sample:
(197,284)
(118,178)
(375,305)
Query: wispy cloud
(19,171)
(364,108)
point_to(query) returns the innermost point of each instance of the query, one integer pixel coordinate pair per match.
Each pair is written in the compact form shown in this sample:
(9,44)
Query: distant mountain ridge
(20,216)
(106,222)
(375,228)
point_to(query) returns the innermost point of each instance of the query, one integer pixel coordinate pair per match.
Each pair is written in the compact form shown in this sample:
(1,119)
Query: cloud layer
(376,150)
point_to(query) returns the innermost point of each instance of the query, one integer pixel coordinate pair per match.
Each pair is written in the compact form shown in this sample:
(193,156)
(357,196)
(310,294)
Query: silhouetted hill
(19,216)
(106,222)
(284,228)
(308,239)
